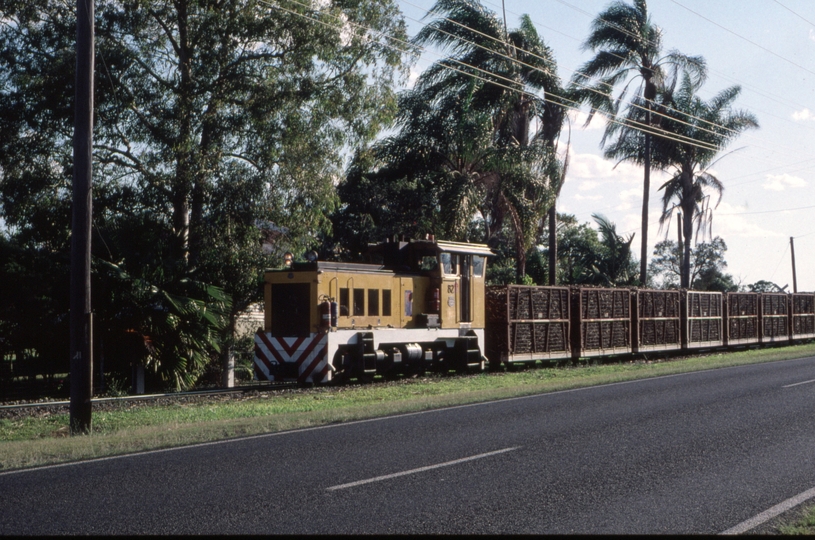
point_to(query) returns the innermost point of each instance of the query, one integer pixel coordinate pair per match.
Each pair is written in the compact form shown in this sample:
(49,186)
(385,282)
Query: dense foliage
(228,132)
(219,124)
(464,146)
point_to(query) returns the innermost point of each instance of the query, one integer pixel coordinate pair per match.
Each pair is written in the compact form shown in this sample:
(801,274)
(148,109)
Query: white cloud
(414,74)
(578,119)
(593,167)
(580,197)
(780,182)
(812,34)
(627,194)
(730,220)
(803,114)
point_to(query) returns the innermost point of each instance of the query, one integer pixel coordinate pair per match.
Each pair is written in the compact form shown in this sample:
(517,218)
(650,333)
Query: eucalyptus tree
(707,265)
(628,48)
(216,118)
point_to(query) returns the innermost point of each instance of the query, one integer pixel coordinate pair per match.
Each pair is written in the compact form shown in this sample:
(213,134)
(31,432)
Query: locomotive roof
(434,245)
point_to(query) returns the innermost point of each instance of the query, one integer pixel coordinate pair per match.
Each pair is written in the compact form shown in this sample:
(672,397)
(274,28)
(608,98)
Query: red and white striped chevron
(307,353)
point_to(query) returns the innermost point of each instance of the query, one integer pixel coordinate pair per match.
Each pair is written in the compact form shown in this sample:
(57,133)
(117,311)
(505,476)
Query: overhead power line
(794,13)
(594,90)
(781,100)
(639,126)
(536,68)
(763,48)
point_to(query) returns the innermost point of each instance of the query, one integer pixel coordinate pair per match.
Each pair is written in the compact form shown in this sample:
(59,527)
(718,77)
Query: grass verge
(30,442)
(804,525)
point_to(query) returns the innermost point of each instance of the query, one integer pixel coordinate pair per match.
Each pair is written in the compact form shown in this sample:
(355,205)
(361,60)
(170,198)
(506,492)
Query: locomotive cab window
(344,302)
(359,302)
(373,302)
(449,263)
(428,263)
(478,266)
(386,303)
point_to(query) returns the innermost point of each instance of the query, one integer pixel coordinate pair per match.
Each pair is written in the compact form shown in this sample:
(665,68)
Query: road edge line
(770,513)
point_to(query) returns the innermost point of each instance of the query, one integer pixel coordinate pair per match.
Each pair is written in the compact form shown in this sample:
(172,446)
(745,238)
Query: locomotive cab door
(466,314)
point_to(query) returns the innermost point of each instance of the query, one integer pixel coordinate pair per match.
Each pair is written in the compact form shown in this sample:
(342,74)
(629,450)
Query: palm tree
(613,265)
(706,127)
(626,43)
(512,77)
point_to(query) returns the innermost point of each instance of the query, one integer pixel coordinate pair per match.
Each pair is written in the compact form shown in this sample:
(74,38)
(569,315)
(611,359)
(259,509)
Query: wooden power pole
(794,280)
(680,244)
(80,319)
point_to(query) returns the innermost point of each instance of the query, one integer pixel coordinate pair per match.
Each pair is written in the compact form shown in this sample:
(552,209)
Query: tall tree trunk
(553,246)
(687,204)
(184,150)
(649,93)
(687,226)
(646,191)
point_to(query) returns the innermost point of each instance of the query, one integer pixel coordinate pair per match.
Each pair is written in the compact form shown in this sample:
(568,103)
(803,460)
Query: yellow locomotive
(419,306)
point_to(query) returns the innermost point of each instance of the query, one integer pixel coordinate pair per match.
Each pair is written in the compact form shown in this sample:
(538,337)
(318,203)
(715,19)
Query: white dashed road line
(767,515)
(420,469)
(796,384)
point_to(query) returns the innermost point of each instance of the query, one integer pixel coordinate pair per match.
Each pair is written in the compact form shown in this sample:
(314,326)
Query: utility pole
(80,320)
(553,246)
(680,243)
(794,281)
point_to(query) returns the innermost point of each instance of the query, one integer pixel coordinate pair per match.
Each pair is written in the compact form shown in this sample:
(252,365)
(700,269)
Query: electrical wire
(794,13)
(638,126)
(765,49)
(411,46)
(548,72)
(608,23)
(641,126)
(645,127)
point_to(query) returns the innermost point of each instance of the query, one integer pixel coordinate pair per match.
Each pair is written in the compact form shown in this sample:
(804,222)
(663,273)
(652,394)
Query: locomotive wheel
(340,370)
(416,371)
(365,378)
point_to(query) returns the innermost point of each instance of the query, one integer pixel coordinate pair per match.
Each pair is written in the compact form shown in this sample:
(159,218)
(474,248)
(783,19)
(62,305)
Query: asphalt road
(693,453)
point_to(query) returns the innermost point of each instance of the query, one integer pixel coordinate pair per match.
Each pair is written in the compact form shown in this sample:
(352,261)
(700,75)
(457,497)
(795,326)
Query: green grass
(38,441)
(804,525)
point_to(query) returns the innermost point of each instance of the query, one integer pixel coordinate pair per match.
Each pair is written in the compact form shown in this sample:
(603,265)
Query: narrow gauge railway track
(17,411)
(50,408)
(20,410)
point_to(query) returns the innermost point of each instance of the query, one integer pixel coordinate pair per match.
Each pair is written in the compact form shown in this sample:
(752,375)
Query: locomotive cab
(416,305)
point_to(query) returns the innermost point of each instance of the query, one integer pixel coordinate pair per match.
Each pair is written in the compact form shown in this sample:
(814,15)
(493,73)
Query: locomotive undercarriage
(352,354)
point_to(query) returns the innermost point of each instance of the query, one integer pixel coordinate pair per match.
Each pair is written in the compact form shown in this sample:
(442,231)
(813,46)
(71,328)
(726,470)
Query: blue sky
(765,46)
